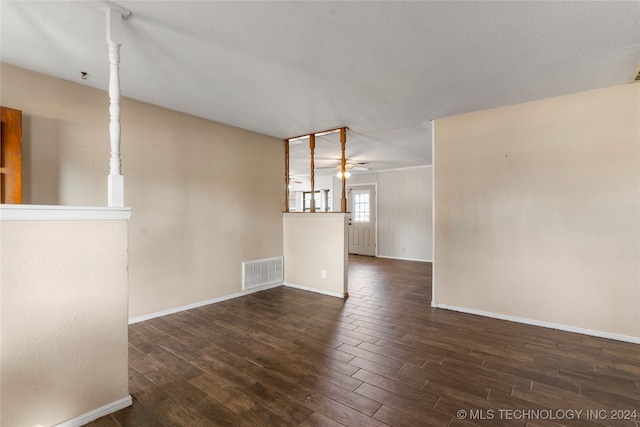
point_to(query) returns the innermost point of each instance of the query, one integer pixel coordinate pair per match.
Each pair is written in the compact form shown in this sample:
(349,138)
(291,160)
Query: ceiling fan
(358,166)
(349,165)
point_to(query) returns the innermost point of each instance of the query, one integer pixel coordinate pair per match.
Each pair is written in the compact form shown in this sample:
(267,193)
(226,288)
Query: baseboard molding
(404,259)
(200,304)
(316,290)
(97,413)
(592,332)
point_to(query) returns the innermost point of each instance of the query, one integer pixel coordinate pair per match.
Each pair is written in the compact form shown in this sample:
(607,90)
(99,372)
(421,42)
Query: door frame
(11,156)
(375,225)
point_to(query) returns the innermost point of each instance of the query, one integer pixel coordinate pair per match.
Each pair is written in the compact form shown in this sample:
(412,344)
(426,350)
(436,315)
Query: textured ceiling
(384,69)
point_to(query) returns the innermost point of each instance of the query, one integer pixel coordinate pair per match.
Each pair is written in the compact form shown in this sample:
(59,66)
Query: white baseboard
(404,259)
(592,332)
(97,413)
(200,304)
(318,291)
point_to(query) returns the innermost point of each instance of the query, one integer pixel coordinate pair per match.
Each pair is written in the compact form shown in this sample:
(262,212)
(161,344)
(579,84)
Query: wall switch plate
(323,274)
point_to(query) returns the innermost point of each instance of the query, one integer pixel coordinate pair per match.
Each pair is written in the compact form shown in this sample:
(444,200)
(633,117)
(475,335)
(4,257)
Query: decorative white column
(114,40)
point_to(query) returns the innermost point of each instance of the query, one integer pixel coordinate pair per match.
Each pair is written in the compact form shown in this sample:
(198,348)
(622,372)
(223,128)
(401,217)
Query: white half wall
(537,211)
(63,300)
(315,243)
(404,201)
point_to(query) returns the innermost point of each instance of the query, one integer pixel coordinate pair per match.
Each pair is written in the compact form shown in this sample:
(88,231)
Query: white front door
(362,223)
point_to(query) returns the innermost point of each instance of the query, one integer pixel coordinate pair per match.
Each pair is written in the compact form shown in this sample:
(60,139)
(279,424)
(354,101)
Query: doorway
(361,202)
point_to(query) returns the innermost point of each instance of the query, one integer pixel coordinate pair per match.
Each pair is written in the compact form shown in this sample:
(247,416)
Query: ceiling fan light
(346,174)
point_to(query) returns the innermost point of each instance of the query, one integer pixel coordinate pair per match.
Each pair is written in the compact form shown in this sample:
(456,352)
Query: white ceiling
(384,69)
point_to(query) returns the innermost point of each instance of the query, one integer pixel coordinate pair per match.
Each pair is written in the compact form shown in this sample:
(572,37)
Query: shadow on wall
(41,159)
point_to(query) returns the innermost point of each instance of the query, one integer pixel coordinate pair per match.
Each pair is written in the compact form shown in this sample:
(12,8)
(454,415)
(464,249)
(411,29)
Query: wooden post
(286,175)
(312,147)
(343,167)
(114,40)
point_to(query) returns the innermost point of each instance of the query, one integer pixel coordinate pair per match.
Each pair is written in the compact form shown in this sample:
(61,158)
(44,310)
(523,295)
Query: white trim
(97,413)
(316,214)
(592,332)
(201,303)
(433,209)
(404,259)
(62,213)
(316,290)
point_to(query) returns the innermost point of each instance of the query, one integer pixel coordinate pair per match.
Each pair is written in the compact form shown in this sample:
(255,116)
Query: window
(361,206)
(292,201)
(321,198)
(306,201)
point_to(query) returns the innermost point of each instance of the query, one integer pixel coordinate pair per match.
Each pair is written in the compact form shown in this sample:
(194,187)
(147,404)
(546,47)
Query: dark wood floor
(286,357)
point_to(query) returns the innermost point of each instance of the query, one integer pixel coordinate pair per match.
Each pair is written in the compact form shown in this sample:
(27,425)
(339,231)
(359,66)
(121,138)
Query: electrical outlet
(323,274)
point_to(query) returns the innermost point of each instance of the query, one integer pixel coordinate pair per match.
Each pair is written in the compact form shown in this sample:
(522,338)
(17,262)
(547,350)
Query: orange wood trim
(11,155)
(312,147)
(322,132)
(343,168)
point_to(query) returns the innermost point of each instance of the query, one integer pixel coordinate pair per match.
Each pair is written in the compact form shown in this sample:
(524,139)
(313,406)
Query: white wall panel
(404,211)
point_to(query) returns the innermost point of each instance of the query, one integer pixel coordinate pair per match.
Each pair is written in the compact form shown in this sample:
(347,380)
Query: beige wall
(314,242)
(204,196)
(537,211)
(63,298)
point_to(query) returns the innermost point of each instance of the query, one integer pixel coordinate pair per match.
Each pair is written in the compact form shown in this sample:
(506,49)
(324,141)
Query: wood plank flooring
(383,357)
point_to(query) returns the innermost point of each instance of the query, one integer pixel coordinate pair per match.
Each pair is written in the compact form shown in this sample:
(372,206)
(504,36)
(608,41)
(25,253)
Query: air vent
(262,272)
(636,75)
